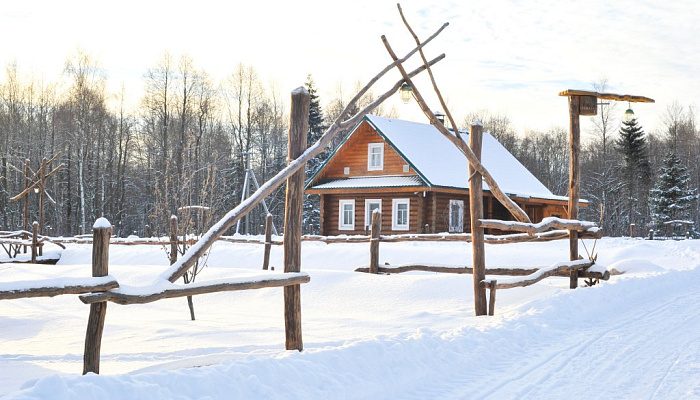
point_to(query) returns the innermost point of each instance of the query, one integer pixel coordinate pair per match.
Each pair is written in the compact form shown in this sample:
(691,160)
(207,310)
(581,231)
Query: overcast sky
(506,56)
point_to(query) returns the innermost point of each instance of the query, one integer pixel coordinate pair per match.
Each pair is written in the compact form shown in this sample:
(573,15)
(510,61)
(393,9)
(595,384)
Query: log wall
(353,154)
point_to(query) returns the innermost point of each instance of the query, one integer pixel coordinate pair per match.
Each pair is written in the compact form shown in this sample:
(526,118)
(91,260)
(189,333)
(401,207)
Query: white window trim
(341,225)
(460,204)
(394,214)
(368,215)
(370,147)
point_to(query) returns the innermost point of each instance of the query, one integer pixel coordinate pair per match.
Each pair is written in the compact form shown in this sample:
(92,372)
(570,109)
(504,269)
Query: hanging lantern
(629,115)
(406,92)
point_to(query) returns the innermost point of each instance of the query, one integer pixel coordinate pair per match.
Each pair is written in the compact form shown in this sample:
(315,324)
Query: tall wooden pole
(101,232)
(476,204)
(296,145)
(574,180)
(27,170)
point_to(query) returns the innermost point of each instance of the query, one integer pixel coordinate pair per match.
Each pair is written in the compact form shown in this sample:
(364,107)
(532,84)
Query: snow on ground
(404,336)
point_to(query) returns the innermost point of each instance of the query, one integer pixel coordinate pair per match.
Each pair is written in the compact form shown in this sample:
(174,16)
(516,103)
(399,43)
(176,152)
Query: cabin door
(456,216)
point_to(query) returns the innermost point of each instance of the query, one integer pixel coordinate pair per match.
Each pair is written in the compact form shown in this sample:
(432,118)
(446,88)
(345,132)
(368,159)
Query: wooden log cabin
(419,181)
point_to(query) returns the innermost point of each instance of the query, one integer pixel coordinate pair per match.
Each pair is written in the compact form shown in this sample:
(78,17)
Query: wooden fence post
(492,297)
(374,242)
(101,232)
(296,145)
(35,240)
(574,180)
(476,204)
(173,239)
(268,241)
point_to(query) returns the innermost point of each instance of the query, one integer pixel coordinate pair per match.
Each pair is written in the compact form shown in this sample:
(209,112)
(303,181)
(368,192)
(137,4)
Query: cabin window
(456,216)
(370,206)
(400,214)
(347,215)
(375,156)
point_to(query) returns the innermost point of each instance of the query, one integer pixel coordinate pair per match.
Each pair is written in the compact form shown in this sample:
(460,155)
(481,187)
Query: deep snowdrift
(399,336)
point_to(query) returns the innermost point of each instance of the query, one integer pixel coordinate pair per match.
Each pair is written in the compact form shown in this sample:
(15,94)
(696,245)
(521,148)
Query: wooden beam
(47,287)
(574,180)
(101,232)
(505,271)
(374,242)
(565,267)
(476,211)
(607,96)
(192,289)
(544,226)
(296,144)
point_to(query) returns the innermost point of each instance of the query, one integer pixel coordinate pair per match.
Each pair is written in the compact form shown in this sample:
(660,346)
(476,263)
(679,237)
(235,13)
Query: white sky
(506,56)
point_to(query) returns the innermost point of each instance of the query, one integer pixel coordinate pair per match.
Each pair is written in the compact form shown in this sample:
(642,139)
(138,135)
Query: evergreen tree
(312,212)
(632,146)
(671,198)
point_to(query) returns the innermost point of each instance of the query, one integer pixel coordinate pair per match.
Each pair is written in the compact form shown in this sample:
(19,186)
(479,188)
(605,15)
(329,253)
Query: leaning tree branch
(514,209)
(179,268)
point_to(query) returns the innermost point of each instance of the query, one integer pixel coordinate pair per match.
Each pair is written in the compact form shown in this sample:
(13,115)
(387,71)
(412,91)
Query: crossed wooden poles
(37,182)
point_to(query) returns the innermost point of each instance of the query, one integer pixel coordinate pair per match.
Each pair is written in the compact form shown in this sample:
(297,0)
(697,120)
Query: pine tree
(312,212)
(671,198)
(632,146)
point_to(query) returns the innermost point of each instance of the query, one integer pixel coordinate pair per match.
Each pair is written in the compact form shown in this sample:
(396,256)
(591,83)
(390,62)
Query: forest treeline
(187,145)
(182,151)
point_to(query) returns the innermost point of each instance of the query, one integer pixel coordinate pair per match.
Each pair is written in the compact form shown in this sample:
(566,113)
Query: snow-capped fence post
(101,232)
(574,180)
(296,145)
(374,242)
(476,204)
(35,241)
(651,234)
(633,229)
(268,241)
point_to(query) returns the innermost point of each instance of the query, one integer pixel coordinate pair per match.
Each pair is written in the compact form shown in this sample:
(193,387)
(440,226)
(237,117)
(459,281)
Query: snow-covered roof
(372,182)
(440,163)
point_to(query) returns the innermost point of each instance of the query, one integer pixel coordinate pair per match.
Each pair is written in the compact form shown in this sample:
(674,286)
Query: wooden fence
(100,288)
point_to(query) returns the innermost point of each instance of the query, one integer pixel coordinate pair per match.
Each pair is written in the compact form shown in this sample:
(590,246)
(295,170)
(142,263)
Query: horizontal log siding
(421,212)
(331,209)
(353,154)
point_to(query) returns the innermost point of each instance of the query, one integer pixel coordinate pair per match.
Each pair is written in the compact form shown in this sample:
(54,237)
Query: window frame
(370,147)
(368,214)
(460,226)
(341,215)
(395,226)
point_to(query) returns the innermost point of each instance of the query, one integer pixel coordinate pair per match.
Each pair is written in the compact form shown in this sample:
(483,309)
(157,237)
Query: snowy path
(584,358)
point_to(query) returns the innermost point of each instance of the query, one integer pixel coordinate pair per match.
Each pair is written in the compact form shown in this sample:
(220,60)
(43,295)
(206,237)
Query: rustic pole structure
(374,242)
(101,232)
(296,145)
(268,241)
(574,180)
(35,233)
(476,204)
(173,239)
